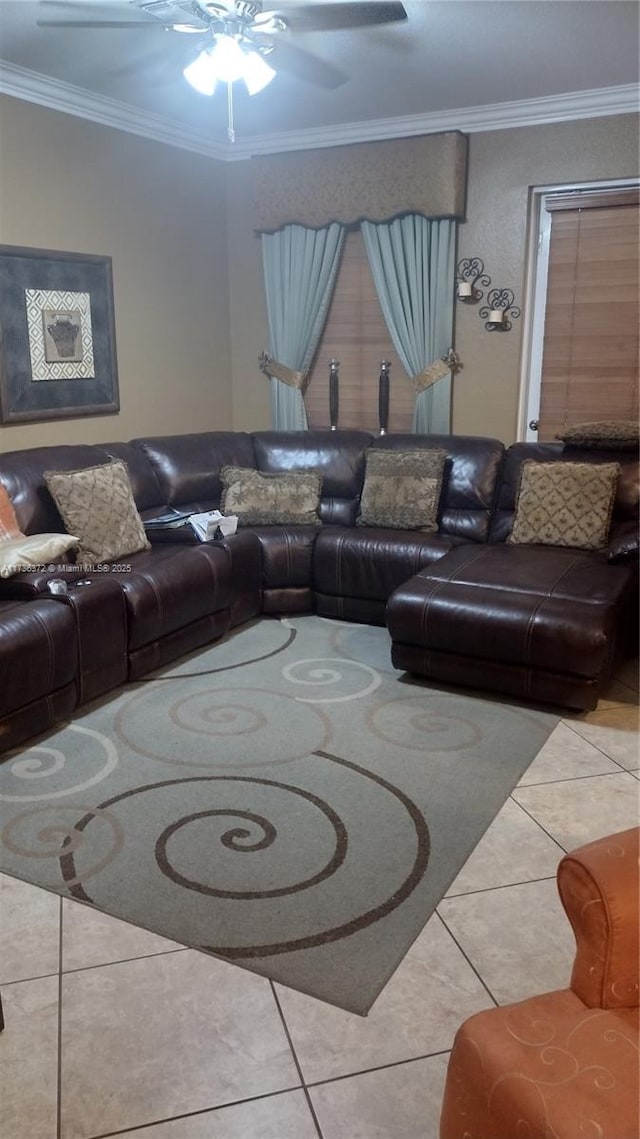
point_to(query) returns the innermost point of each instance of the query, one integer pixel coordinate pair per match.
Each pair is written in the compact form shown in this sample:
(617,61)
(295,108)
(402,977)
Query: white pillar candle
(465,289)
(496,316)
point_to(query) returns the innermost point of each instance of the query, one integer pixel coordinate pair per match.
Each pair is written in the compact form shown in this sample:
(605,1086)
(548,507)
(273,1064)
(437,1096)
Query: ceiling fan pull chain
(231,134)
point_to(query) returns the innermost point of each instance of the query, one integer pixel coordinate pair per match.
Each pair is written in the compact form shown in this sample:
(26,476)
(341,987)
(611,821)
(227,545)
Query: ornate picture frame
(57,335)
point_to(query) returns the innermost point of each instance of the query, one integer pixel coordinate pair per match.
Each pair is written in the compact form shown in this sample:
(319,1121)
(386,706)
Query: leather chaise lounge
(462,605)
(538,623)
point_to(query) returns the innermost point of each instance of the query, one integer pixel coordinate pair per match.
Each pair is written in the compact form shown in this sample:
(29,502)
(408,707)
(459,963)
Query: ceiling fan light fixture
(228,58)
(226,62)
(202,73)
(257,73)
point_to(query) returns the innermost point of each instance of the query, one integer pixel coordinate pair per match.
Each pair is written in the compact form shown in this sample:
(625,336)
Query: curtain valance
(425,174)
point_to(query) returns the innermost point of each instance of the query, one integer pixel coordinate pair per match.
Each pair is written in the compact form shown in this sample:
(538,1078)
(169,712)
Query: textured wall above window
(425,174)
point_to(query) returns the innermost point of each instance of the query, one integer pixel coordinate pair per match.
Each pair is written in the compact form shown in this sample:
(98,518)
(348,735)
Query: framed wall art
(57,335)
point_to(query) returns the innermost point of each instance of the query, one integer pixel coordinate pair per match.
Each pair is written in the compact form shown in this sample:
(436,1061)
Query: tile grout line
(576,778)
(543,829)
(296,1061)
(580,736)
(501,886)
(536,821)
(466,957)
(191,1114)
(23,980)
(378,1068)
(128,960)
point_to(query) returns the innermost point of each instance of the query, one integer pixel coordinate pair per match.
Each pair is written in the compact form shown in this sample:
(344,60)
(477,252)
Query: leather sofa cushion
(369,563)
(338,456)
(470,479)
(287,553)
(170,587)
(41,631)
(188,467)
(507,603)
(542,571)
(146,488)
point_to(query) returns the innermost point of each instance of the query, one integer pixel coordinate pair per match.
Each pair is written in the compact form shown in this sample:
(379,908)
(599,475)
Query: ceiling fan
(238,39)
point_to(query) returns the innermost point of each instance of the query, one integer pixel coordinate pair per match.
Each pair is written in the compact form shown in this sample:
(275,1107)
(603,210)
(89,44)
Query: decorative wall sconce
(498,309)
(469,274)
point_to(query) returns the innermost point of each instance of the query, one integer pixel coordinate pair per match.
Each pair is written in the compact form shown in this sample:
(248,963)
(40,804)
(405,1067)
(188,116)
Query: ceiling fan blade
(157,67)
(296,61)
(81,9)
(102,24)
(335,17)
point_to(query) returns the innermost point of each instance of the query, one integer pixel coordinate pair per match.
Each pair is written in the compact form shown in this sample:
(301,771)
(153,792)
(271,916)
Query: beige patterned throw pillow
(268,499)
(29,550)
(97,505)
(565,504)
(402,489)
(605,434)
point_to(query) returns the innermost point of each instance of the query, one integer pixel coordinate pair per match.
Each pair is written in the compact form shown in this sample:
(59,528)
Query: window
(356,335)
(589,366)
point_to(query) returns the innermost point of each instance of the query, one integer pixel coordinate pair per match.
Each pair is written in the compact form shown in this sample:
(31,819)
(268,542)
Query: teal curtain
(300,267)
(412,260)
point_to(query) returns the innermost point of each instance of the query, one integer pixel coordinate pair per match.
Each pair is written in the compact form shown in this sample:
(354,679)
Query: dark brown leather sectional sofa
(538,623)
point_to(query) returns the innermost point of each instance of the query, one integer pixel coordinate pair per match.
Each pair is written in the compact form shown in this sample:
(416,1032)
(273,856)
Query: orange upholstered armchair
(563,1065)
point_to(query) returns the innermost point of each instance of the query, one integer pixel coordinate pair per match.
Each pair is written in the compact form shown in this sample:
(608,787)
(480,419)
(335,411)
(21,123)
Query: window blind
(591,337)
(356,335)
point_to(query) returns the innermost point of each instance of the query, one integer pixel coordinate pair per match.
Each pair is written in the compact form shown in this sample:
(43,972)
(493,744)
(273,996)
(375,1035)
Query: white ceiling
(449,64)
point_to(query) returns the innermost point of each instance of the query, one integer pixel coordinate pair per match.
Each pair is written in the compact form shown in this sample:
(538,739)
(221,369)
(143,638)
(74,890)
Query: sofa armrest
(34,583)
(624,542)
(598,886)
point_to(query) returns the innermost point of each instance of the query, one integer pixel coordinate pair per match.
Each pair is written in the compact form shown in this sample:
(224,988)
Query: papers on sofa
(170,518)
(206,525)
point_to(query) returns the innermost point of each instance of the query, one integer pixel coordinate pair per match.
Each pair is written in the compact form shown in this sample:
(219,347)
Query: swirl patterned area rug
(284,799)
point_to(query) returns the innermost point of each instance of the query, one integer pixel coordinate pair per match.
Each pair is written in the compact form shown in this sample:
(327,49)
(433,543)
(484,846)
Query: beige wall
(189,299)
(247,306)
(502,167)
(159,212)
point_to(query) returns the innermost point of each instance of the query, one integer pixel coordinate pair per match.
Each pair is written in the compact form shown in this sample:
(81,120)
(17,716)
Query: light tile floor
(115,1031)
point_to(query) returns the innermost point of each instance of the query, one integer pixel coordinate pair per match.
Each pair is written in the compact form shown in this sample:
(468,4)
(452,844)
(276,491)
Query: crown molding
(495,116)
(59,96)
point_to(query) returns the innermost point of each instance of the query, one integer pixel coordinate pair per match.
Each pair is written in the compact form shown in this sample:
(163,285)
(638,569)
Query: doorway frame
(535,296)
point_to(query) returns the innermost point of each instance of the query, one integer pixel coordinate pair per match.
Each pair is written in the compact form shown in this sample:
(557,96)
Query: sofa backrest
(470,479)
(146,488)
(22,474)
(187,467)
(624,522)
(339,456)
(478,497)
